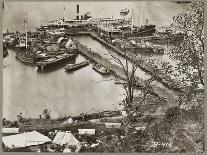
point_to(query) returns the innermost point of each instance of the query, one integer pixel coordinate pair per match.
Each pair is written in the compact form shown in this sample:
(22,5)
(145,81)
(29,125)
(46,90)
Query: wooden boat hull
(5,52)
(44,66)
(99,71)
(68,69)
(24,59)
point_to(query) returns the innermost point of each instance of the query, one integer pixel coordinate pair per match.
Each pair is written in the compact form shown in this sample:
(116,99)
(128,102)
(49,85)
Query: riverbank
(173,132)
(153,107)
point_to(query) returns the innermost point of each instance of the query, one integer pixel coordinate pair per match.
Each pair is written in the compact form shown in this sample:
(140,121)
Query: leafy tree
(190,51)
(46,113)
(129,69)
(20,117)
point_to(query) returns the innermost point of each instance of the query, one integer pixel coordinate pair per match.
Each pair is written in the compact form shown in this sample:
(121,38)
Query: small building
(113,125)
(123,113)
(140,128)
(9,131)
(86,131)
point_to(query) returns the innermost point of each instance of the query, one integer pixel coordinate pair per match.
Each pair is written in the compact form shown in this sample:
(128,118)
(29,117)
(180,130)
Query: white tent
(25,139)
(67,138)
(69,43)
(68,121)
(60,39)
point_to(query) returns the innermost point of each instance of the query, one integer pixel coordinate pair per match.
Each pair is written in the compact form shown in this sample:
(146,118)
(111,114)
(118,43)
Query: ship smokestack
(77,8)
(140,22)
(147,21)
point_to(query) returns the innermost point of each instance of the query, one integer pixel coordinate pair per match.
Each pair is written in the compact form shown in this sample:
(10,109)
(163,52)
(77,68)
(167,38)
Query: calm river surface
(29,92)
(84,91)
(104,52)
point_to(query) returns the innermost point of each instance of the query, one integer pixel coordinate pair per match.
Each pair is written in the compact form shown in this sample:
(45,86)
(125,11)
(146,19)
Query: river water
(29,91)
(84,91)
(106,53)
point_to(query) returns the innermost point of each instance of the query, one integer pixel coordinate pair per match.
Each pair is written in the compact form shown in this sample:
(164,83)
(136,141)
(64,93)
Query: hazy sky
(158,12)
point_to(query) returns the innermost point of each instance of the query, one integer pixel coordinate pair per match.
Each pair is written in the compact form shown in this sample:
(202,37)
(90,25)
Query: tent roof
(65,138)
(25,139)
(60,39)
(69,43)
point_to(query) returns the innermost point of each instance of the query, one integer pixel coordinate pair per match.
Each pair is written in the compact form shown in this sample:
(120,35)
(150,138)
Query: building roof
(67,138)
(10,130)
(25,139)
(86,131)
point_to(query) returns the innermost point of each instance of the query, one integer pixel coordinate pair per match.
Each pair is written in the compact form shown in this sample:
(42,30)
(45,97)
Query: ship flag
(25,19)
(124,12)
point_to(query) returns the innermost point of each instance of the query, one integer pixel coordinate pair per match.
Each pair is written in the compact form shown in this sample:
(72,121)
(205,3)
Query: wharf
(78,33)
(169,94)
(119,72)
(161,77)
(95,57)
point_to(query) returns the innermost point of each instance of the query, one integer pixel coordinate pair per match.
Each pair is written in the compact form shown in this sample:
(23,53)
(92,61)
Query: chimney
(77,7)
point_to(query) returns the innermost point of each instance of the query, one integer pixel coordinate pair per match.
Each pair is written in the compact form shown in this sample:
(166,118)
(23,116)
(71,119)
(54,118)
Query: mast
(25,29)
(132,22)
(64,15)
(77,11)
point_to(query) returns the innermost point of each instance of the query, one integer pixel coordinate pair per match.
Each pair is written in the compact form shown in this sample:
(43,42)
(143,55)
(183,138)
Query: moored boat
(29,59)
(72,67)
(55,61)
(5,51)
(101,69)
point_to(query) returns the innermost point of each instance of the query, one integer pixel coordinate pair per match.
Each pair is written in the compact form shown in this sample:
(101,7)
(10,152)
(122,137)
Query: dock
(118,72)
(162,78)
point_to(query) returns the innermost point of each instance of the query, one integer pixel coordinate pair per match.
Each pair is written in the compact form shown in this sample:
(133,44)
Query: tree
(190,51)
(46,113)
(129,69)
(20,117)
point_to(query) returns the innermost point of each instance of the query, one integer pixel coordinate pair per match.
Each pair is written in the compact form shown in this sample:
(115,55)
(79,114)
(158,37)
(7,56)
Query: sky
(159,13)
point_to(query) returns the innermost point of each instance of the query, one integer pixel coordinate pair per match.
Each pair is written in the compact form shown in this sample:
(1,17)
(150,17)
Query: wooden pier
(145,67)
(170,95)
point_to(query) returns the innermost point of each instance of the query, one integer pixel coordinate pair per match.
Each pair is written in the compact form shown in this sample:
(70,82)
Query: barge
(55,61)
(27,55)
(72,67)
(29,59)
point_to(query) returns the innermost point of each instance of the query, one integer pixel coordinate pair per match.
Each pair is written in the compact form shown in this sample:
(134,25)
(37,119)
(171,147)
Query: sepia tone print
(103,76)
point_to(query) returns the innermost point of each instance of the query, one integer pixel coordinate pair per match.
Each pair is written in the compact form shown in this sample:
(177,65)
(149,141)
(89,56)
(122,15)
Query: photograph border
(1,72)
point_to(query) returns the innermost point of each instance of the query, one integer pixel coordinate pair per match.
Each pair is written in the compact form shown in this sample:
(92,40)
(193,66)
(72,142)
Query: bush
(171,114)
